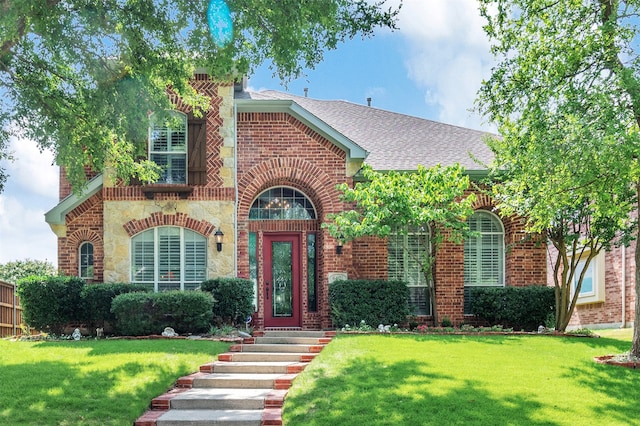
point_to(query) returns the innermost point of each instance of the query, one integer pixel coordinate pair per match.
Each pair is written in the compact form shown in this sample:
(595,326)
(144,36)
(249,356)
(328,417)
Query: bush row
(372,301)
(520,308)
(51,303)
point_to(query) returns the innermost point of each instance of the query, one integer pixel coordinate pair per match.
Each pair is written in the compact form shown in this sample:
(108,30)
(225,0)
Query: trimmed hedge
(49,303)
(232,299)
(374,301)
(140,314)
(521,308)
(97,299)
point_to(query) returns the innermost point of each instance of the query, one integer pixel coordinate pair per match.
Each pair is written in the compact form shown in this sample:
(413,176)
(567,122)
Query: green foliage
(429,198)
(97,299)
(232,299)
(80,77)
(521,308)
(13,271)
(139,314)
(564,95)
(50,303)
(368,302)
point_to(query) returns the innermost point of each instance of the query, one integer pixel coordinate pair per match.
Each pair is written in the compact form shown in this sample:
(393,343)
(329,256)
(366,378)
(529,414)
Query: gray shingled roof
(394,141)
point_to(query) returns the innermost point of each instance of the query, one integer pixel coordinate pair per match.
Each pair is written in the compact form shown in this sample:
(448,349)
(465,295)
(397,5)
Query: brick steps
(245,386)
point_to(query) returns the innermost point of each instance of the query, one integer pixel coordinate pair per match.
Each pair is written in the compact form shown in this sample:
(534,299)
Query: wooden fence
(10,311)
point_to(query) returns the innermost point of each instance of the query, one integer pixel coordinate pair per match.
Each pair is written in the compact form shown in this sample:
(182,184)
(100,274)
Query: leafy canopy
(80,77)
(565,97)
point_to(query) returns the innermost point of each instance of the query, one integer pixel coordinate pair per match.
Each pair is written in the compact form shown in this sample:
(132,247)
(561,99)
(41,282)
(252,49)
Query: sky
(432,68)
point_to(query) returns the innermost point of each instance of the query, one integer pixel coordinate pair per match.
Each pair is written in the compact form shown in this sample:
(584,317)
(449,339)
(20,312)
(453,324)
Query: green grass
(465,380)
(92,382)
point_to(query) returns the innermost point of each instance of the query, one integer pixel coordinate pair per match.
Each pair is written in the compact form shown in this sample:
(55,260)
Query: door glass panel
(282,275)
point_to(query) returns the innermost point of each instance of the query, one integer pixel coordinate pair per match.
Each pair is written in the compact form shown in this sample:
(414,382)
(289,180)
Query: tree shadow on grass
(412,396)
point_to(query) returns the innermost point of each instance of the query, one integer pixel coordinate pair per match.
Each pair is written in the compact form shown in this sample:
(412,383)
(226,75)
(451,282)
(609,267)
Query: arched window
(85,258)
(282,203)
(483,254)
(169,258)
(168,146)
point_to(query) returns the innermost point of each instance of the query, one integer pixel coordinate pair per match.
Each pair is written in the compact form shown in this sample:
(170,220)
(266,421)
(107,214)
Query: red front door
(281,273)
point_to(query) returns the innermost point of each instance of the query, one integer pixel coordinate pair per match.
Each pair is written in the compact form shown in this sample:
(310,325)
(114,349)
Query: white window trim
(502,252)
(156,259)
(598,293)
(92,265)
(168,153)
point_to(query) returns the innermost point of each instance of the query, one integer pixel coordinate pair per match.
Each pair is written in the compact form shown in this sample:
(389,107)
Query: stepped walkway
(244,387)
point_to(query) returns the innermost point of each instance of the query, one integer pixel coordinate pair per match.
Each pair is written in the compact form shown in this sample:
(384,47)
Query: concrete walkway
(245,387)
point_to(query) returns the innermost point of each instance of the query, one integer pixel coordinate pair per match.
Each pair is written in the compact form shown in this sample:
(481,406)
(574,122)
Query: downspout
(624,287)
(235,185)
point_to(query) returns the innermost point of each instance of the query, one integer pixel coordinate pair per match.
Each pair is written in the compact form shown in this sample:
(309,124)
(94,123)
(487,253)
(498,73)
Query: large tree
(433,199)
(80,77)
(565,96)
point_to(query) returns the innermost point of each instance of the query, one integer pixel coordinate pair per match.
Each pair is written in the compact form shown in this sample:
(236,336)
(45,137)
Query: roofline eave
(56,216)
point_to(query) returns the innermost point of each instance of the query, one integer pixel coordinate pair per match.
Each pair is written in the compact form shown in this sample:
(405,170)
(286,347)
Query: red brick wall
(84,223)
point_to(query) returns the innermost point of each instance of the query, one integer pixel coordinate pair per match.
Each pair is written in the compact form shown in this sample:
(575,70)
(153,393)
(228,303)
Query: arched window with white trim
(169,258)
(85,261)
(483,254)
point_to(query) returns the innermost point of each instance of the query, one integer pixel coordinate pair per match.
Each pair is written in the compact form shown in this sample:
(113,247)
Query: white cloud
(448,55)
(23,231)
(32,170)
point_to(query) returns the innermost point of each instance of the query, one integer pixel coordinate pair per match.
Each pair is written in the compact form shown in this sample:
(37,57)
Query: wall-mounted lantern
(339,244)
(219,236)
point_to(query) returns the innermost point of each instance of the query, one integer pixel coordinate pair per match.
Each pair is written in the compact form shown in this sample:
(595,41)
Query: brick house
(246,189)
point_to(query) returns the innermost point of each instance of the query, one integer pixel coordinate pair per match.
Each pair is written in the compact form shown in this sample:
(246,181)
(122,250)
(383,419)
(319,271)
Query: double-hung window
(483,255)
(86,261)
(405,252)
(169,258)
(592,288)
(168,146)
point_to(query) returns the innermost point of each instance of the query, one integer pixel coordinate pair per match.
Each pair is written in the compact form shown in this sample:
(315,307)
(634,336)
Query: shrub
(232,299)
(50,302)
(139,314)
(521,308)
(97,299)
(374,301)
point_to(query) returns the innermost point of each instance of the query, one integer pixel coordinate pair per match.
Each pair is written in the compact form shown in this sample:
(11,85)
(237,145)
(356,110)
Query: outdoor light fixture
(218,236)
(339,245)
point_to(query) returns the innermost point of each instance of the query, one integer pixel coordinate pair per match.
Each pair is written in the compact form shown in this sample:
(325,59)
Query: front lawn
(465,380)
(92,382)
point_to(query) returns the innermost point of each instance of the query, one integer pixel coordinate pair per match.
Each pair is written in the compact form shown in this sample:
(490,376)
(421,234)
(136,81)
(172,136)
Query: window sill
(182,190)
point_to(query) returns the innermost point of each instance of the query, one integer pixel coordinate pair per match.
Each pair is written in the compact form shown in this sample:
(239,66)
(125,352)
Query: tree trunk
(635,344)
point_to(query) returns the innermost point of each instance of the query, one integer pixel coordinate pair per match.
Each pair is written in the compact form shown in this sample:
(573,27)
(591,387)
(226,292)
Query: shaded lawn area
(92,382)
(465,380)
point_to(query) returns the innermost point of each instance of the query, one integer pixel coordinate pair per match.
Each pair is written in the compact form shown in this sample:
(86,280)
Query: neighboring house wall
(615,307)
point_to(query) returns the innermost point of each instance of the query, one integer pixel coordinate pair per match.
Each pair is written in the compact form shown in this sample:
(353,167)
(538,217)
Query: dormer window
(168,146)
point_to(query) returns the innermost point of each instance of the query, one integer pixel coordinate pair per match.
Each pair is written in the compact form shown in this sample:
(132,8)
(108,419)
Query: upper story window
(403,254)
(484,254)
(169,258)
(85,258)
(168,146)
(282,203)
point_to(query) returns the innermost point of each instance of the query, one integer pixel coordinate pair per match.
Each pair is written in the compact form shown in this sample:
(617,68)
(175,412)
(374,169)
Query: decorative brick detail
(135,226)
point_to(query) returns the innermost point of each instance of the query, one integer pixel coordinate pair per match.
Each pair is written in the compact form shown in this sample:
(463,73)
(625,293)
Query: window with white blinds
(168,146)
(169,258)
(402,259)
(484,253)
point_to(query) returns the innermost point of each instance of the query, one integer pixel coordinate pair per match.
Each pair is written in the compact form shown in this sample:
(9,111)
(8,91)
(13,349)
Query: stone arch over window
(88,261)
(156,219)
(292,172)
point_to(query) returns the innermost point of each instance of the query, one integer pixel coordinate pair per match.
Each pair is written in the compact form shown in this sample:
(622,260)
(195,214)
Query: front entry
(281,277)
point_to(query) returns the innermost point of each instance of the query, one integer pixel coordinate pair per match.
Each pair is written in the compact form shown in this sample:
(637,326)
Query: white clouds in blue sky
(431,68)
